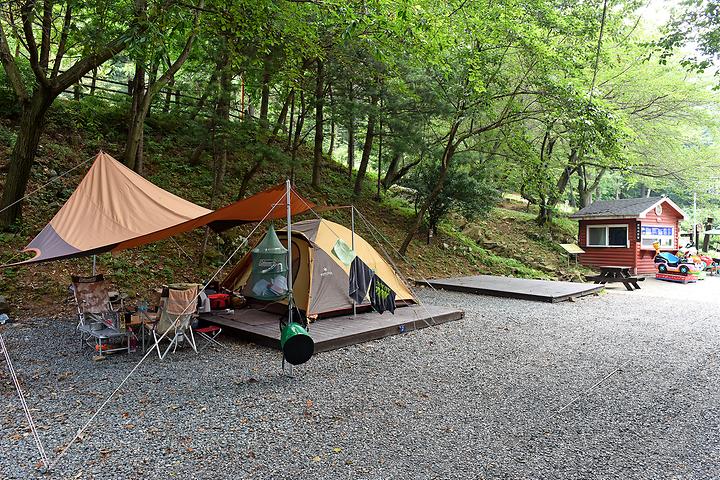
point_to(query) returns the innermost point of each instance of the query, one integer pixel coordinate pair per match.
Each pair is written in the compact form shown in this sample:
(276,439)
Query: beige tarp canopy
(114,208)
(111,204)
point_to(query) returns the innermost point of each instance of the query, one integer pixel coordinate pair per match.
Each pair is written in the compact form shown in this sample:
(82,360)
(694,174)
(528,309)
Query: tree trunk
(319,104)
(265,94)
(297,135)
(220,141)
(351,149)
(392,167)
(331,148)
(706,237)
(351,134)
(444,167)
(545,215)
(133,146)
(367,146)
(572,201)
(586,197)
(280,123)
(291,99)
(206,93)
(247,177)
(379,159)
(93,81)
(168,95)
(142,99)
(32,124)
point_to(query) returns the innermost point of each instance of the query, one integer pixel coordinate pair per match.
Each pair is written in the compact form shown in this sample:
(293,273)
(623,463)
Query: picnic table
(616,273)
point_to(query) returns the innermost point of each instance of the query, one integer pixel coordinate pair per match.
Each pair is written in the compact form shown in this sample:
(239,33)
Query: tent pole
(352,245)
(94,263)
(289,249)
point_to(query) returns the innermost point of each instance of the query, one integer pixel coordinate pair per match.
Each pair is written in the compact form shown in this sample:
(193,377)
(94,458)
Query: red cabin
(622,232)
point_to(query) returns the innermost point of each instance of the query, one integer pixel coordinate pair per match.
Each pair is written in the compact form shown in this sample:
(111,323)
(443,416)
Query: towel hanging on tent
(360,278)
(382,297)
(343,252)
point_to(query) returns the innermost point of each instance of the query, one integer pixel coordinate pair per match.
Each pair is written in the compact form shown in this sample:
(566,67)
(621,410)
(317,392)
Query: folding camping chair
(98,321)
(178,305)
(209,334)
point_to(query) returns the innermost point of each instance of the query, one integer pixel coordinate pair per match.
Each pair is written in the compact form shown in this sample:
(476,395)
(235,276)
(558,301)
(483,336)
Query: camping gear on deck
(268,279)
(219,301)
(98,321)
(178,304)
(320,280)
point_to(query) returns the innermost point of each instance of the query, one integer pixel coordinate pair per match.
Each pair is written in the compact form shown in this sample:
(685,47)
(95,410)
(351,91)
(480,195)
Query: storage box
(219,301)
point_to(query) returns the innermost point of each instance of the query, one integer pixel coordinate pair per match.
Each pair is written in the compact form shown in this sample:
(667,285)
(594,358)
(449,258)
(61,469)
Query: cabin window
(664,235)
(607,236)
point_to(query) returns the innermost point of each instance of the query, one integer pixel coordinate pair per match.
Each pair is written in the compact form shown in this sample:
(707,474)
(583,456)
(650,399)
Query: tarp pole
(352,245)
(289,249)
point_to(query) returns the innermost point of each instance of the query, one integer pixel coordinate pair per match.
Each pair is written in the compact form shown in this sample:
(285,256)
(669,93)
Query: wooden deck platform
(337,332)
(521,288)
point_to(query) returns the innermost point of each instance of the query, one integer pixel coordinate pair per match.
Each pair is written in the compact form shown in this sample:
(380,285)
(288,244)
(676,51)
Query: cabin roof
(623,208)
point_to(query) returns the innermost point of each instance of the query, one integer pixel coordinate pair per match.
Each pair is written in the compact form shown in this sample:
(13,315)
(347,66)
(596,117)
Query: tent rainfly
(112,204)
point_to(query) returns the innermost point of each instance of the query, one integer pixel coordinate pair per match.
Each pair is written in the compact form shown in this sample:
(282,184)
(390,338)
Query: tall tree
(144,94)
(58,61)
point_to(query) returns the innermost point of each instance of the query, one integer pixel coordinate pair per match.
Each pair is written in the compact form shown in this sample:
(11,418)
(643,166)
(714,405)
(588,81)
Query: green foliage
(466,192)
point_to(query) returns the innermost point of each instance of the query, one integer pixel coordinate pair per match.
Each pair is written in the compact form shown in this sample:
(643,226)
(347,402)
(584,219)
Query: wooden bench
(629,282)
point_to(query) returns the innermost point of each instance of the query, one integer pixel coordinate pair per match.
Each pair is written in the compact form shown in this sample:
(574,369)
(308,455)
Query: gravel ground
(478,398)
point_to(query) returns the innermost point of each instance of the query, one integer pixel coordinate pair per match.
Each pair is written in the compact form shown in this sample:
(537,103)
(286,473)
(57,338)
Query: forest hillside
(505,240)
(464,131)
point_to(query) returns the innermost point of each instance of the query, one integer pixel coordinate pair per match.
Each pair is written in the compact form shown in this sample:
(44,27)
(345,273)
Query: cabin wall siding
(645,257)
(596,256)
(640,261)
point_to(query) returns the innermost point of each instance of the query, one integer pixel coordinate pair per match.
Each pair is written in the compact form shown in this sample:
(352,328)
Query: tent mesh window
(268,280)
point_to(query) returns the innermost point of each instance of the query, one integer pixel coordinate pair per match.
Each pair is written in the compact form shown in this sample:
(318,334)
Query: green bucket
(296,344)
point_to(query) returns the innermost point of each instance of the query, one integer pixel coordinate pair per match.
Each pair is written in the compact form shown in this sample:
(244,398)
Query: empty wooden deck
(337,332)
(521,288)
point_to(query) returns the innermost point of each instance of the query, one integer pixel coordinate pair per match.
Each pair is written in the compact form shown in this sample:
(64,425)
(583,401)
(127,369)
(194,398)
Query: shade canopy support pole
(289,253)
(352,246)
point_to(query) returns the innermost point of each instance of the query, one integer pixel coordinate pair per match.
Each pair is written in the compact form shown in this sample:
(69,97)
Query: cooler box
(219,301)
